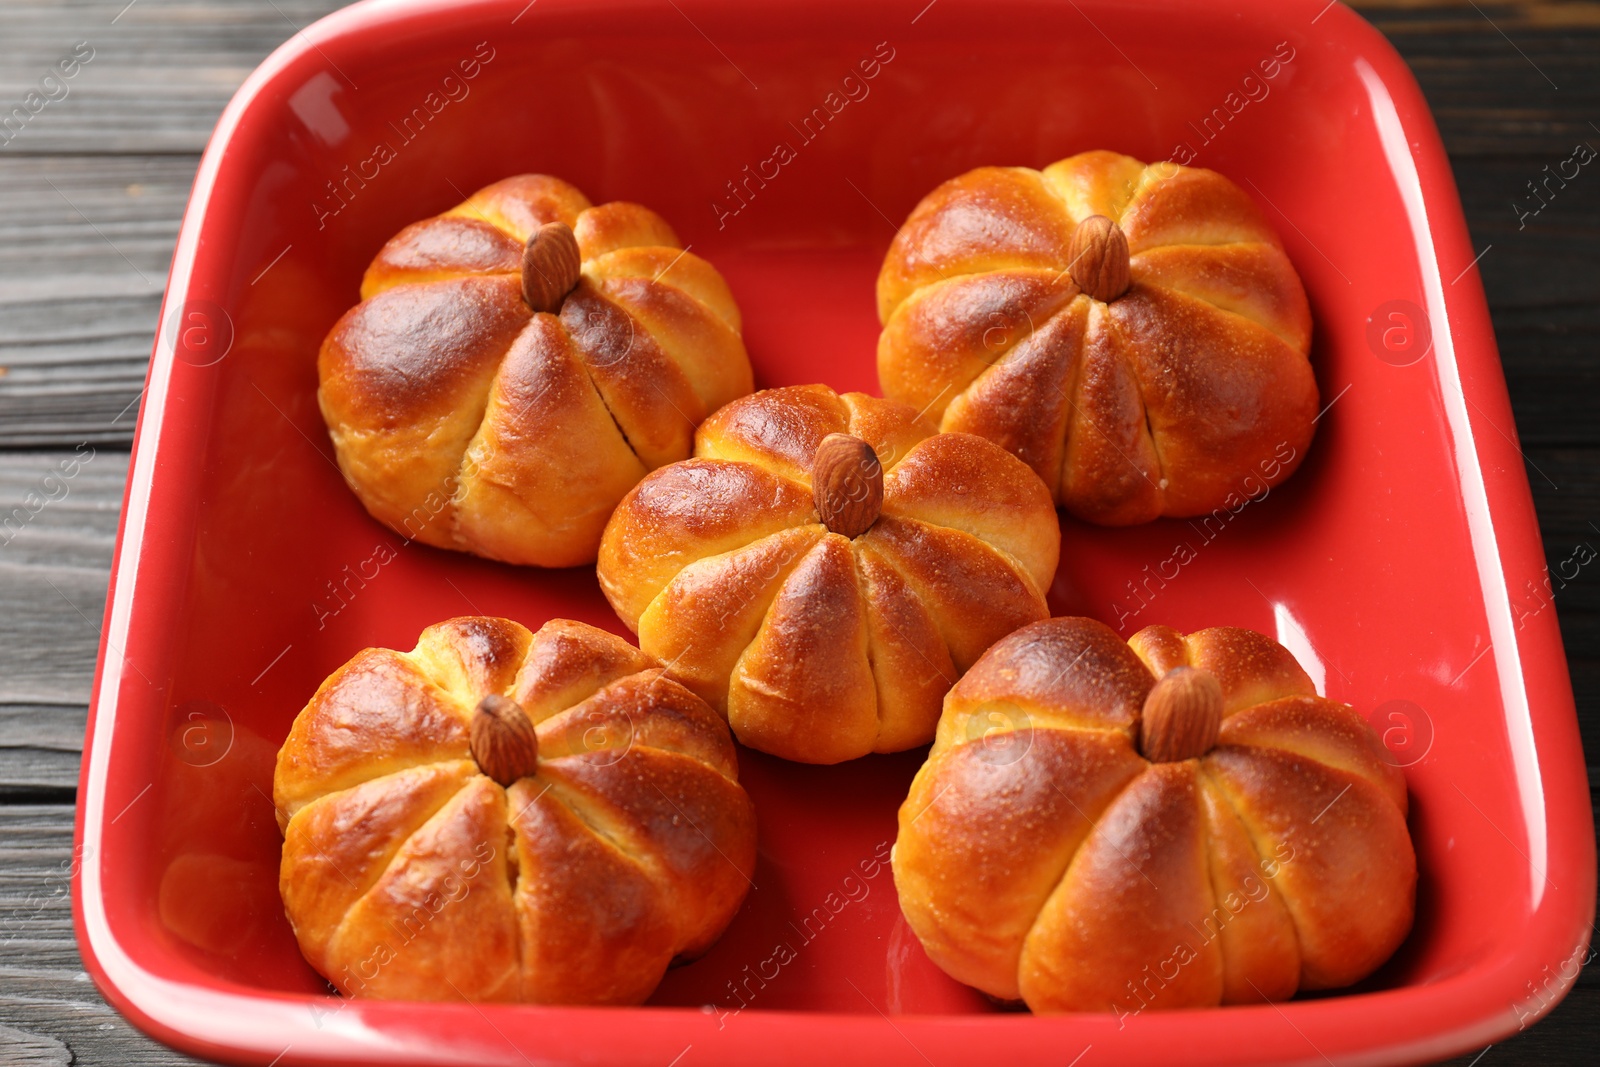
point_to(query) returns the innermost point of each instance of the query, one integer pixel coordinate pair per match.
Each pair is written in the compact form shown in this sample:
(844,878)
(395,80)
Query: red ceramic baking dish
(1402,564)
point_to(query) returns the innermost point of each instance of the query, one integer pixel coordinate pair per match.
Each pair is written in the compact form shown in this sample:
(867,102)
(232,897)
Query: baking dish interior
(787,154)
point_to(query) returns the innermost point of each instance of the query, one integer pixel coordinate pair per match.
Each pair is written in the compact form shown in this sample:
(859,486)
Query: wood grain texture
(91,192)
(85,243)
(160,74)
(49,1011)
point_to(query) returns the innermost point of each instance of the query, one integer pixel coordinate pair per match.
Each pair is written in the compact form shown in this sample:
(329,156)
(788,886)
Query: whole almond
(503,740)
(847,484)
(1182,716)
(551,265)
(1098,258)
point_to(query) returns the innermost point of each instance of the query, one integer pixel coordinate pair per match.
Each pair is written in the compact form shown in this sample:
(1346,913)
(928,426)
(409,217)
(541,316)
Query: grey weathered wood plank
(58,522)
(85,245)
(61,508)
(39,749)
(32,1050)
(94,185)
(50,1012)
(159,75)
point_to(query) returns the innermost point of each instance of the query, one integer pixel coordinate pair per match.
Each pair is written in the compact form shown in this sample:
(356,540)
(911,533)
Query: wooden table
(91,191)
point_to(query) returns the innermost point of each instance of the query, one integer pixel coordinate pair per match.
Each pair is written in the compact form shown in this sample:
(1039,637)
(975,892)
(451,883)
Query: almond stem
(1182,716)
(1097,257)
(551,266)
(847,484)
(502,740)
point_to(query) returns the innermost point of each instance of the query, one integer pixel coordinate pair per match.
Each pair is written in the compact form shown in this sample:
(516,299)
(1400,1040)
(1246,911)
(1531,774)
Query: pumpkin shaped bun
(517,363)
(1134,333)
(1169,822)
(826,565)
(505,816)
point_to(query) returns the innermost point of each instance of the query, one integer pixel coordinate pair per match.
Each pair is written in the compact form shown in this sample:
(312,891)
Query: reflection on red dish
(1394,564)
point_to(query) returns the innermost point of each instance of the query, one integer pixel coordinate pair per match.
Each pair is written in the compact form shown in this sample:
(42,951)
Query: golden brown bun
(464,420)
(1192,386)
(820,647)
(408,873)
(1042,858)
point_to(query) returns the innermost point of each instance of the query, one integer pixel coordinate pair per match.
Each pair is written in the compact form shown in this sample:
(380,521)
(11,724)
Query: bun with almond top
(517,363)
(827,565)
(1167,822)
(505,816)
(1134,333)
